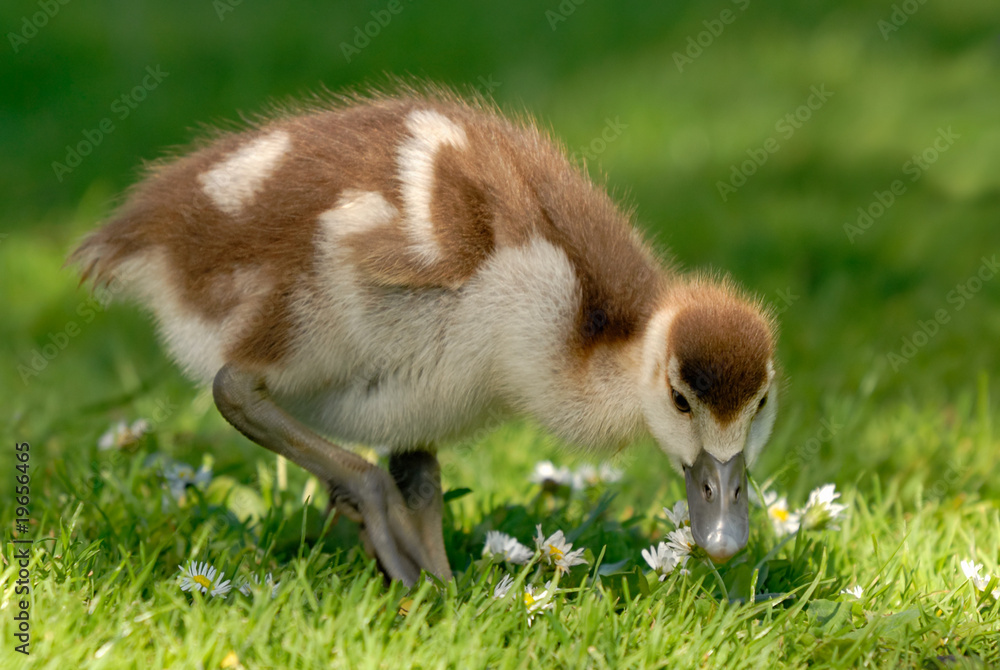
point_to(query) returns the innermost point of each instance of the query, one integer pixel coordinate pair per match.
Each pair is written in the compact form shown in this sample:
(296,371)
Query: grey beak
(718,503)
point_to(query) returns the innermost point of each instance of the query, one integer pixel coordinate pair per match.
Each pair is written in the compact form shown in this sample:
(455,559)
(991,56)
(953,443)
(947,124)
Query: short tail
(101,254)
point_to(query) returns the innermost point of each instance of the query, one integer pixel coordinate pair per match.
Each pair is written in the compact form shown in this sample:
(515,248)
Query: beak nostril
(736,495)
(709,493)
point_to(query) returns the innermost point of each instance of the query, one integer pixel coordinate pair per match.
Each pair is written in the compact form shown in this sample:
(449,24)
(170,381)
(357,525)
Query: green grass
(912,446)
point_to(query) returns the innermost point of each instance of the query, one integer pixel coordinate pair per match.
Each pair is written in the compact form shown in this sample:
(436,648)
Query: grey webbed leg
(418,476)
(355,484)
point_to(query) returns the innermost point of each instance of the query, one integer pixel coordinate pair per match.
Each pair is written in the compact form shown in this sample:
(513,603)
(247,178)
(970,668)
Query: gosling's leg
(418,476)
(388,523)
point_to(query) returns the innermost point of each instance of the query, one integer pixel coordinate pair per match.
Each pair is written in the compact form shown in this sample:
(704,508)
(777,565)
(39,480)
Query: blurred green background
(679,131)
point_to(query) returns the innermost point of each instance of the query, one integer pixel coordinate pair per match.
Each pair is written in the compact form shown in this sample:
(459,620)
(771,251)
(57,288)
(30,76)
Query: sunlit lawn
(910,439)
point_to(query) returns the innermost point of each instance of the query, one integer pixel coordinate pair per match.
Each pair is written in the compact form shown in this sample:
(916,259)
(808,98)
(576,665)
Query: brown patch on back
(460,197)
(273,236)
(509,184)
(723,346)
(530,188)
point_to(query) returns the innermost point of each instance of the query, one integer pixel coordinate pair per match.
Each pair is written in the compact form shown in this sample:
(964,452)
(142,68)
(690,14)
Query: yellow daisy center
(529,599)
(556,552)
(202,580)
(780,514)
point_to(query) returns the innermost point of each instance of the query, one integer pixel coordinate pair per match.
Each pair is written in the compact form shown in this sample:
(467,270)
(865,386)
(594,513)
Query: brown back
(509,184)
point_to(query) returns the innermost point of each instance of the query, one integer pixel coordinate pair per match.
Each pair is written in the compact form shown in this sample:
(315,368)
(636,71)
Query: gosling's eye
(680,402)
(763,401)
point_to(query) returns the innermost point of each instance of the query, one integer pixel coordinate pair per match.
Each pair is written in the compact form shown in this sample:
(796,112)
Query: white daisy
(202,577)
(122,435)
(609,474)
(538,600)
(681,543)
(971,571)
(501,589)
(855,591)
(548,475)
(679,514)
(179,476)
(504,547)
(820,511)
(661,558)
(247,588)
(583,477)
(586,476)
(783,521)
(556,551)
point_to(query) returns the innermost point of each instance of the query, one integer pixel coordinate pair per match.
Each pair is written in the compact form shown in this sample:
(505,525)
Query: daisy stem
(756,488)
(718,578)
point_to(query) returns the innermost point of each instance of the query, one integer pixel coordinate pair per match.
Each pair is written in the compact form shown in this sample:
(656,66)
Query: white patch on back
(233,182)
(431,130)
(357,212)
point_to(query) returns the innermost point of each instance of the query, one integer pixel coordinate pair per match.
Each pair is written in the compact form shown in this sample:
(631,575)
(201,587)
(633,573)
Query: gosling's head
(709,400)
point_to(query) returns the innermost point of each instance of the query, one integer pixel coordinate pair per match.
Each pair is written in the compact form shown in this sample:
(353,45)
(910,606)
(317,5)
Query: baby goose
(398,269)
